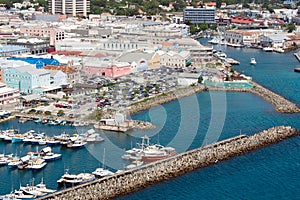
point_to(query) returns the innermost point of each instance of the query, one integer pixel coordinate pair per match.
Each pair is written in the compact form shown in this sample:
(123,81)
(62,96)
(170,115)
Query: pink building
(115,70)
(53,33)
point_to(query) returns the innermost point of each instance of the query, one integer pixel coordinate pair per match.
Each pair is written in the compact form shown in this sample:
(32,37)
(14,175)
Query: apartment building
(69,7)
(199,15)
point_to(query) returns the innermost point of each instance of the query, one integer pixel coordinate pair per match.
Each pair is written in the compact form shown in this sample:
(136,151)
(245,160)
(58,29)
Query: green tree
(218,3)
(290,27)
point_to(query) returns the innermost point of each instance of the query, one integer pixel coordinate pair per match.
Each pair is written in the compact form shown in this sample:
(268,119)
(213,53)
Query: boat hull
(156,158)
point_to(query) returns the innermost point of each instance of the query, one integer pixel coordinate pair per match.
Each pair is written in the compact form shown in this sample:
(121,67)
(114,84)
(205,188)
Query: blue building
(27,79)
(38,62)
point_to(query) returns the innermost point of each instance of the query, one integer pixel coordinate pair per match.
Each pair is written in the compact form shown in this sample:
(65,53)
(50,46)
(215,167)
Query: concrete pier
(132,180)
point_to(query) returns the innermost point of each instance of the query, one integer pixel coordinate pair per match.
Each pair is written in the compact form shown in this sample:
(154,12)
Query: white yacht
(268,49)
(69,180)
(100,172)
(79,143)
(252,61)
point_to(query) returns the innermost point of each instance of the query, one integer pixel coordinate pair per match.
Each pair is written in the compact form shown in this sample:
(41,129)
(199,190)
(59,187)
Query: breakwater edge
(132,180)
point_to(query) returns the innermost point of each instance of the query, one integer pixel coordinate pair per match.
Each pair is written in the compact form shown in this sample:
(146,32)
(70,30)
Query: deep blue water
(190,122)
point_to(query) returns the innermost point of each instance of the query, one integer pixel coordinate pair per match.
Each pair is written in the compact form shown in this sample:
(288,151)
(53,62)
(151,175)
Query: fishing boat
(69,180)
(252,61)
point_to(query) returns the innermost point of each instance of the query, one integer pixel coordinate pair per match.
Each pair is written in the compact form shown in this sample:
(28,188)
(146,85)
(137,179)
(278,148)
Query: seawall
(132,180)
(164,98)
(281,104)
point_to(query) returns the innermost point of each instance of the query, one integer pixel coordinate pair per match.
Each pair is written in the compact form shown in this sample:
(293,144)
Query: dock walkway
(135,179)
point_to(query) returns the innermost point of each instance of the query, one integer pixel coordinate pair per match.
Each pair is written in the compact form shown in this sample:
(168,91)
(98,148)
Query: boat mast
(103,162)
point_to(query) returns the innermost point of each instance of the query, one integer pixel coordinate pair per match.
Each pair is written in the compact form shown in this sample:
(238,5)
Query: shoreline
(133,180)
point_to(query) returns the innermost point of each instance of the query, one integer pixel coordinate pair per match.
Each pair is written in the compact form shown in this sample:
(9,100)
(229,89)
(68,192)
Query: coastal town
(78,64)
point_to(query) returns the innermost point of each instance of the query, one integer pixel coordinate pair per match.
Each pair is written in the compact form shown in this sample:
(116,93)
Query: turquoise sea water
(190,122)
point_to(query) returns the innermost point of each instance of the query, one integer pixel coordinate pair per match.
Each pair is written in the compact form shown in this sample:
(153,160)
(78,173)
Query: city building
(176,59)
(8,95)
(106,68)
(12,50)
(45,32)
(27,79)
(57,78)
(35,46)
(201,54)
(73,75)
(199,15)
(140,61)
(69,7)
(38,62)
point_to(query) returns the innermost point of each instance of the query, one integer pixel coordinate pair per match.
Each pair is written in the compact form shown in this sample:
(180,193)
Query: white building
(69,7)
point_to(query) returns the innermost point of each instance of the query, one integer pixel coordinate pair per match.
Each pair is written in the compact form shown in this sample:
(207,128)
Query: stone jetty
(164,98)
(135,179)
(281,104)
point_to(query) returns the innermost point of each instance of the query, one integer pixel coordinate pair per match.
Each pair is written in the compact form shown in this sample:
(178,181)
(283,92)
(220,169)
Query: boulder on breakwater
(137,124)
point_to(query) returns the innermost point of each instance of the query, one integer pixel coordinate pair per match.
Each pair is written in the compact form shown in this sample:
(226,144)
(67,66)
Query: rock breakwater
(132,180)
(164,98)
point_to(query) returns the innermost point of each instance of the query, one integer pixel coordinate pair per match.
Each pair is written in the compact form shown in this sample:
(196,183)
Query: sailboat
(101,171)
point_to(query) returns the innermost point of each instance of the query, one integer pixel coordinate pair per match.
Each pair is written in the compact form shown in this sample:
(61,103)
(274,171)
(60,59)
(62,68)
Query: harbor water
(188,123)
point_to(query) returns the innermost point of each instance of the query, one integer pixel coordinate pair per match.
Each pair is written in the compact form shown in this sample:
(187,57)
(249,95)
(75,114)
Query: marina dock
(135,179)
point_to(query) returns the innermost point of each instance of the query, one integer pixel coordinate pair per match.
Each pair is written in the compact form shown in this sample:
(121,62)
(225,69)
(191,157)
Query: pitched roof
(32,70)
(135,56)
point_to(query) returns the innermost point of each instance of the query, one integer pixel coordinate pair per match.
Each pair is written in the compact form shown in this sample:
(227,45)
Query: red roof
(66,53)
(241,20)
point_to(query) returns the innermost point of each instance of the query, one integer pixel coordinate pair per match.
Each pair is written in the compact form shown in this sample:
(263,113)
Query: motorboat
(268,49)
(79,143)
(252,61)
(17,194)
(36,164)
(100,172)
(17,138)
(36,190)
(48,155)
(133,165)
(94,138)
(69,180)
(149,153)
(152,153)
(14,163)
